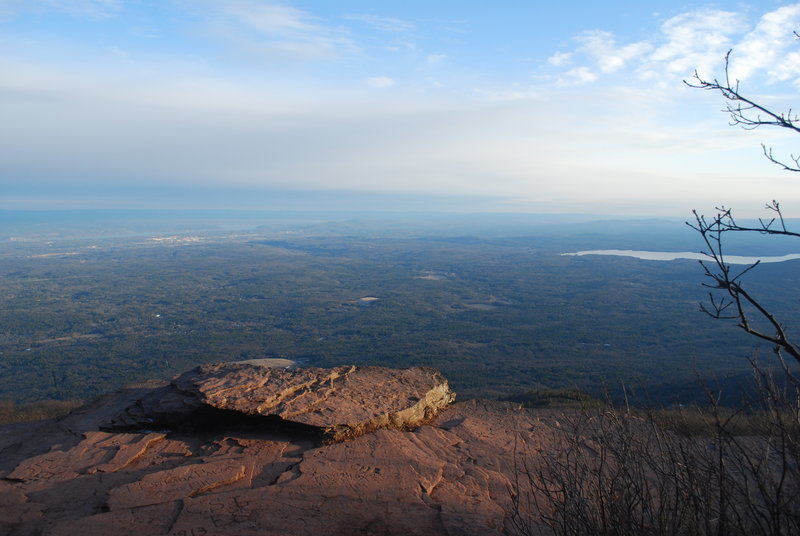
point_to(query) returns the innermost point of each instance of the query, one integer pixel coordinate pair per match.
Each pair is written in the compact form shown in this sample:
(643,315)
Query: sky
(467,106)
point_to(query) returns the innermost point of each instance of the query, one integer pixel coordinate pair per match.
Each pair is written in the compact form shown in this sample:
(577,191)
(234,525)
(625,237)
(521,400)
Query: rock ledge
(335,404)
(452,475)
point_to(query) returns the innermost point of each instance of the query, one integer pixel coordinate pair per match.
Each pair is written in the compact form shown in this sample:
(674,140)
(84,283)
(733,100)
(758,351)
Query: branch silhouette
(737,302)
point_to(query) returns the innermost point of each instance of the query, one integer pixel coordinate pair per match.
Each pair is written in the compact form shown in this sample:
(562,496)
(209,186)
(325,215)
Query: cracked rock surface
(451,475)
(338,403)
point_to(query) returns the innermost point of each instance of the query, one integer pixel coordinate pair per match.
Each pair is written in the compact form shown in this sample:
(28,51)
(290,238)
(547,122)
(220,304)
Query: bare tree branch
(748,114)
(737,303)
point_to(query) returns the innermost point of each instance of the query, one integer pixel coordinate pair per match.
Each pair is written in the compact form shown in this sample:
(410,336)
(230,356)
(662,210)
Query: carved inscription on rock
(231,513)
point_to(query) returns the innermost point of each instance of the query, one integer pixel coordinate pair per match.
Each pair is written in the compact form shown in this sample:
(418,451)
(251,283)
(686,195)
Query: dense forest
(499,310)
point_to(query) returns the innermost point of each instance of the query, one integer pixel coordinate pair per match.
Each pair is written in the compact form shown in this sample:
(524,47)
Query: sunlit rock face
(335,404)
(240,449)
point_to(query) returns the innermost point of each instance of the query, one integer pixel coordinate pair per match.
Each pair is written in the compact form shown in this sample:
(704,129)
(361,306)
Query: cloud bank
(283,98)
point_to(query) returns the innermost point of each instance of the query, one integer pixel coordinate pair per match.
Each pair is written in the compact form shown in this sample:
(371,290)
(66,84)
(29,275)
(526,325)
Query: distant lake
(674,255)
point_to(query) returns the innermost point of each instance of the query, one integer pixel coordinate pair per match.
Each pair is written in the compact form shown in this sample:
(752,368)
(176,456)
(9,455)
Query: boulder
(335,404)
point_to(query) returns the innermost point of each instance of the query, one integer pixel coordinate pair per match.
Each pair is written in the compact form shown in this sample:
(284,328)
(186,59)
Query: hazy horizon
(453,106)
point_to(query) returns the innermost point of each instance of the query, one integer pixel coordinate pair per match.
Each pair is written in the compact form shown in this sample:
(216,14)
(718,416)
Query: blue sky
(464,106)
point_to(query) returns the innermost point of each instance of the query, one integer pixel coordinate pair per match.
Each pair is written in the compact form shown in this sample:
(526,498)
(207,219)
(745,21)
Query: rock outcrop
(454,474)
(335,404)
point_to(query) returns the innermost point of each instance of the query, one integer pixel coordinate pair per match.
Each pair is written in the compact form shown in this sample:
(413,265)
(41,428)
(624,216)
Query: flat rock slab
(452,476)
(339,403)
(174,484)
(99,451)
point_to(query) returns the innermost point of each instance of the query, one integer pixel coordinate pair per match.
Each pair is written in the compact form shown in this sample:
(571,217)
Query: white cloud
(764,48)
(386,24)
(272,30)
(787,68)
(380,82)
(577,77)
(560,59)
(114,132)
(155,125)
(271,19)
(696,40)
(602,47)
(693,40)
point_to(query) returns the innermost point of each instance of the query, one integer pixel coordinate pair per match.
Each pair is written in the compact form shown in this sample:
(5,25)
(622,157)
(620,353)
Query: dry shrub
(11,412)
(616,471)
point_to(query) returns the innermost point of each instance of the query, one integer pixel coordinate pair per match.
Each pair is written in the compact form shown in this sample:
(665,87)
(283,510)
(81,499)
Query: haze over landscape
(575,107)
(445,160)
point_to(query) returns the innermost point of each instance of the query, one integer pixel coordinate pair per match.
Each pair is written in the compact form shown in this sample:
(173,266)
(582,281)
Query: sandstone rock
(452,475)
(99,451)
(18,515)
(128,449)
(339,403)
(173,484)
(143,521)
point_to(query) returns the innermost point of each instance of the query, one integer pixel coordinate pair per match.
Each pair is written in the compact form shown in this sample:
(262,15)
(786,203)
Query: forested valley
(493,304)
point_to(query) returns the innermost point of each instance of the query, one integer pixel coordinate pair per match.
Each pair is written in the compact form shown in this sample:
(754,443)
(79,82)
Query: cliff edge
(240,449)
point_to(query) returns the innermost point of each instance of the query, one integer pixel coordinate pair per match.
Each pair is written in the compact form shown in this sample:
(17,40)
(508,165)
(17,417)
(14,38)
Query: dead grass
(11,412)
(682,471)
